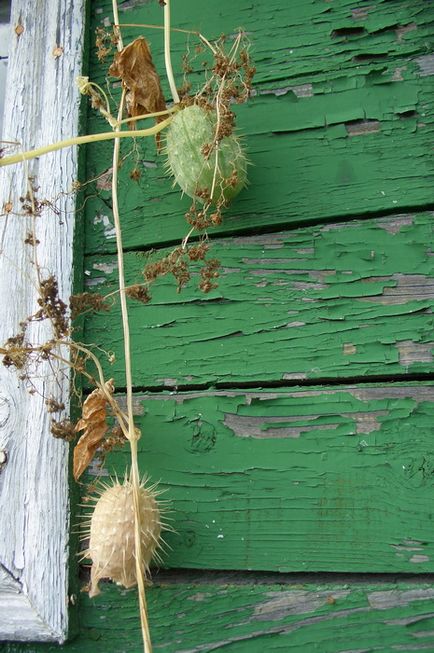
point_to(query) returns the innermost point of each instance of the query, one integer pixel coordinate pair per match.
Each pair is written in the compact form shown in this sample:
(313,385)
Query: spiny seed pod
(200,164)
(112,542)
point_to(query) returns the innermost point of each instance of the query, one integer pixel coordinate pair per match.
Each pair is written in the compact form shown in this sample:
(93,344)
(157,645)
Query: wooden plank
(342,112)
(314,479)
(249,615)
(42,106)
(342,300)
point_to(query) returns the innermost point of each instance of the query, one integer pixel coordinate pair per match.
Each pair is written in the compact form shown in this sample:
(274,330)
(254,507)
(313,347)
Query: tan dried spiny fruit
(112,542)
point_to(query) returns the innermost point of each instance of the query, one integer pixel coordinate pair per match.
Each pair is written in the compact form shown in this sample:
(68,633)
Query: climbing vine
(196,137)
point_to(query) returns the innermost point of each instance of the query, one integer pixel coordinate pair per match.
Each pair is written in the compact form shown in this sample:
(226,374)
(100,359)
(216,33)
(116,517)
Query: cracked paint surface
(340,300)
(246,617)
(313,479)
(340,124)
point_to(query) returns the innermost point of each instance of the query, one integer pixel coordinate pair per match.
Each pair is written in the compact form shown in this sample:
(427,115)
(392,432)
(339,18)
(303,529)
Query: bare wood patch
(414,352)
(362,127)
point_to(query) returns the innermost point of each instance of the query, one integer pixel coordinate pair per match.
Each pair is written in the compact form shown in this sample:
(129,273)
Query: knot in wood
(5,409)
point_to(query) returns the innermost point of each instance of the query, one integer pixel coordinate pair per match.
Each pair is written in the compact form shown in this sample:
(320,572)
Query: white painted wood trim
(41,107)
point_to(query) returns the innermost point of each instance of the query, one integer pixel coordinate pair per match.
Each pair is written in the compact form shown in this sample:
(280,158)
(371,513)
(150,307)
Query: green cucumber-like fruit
(190,132)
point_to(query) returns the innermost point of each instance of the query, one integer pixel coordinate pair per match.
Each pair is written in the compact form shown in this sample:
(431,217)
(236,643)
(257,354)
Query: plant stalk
(167,57)
(81,140)
(172,29)
(133,434)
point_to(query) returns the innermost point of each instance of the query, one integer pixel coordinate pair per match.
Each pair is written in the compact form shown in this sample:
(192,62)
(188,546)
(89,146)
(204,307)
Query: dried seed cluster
(87,301)
(105,41)
(177,263)
(16,353)
(63,430)
(52,307)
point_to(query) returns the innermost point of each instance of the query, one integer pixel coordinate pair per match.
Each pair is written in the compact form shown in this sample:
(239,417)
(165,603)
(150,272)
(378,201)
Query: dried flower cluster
(177,264)
(87,301)
(105,41)
(17,351)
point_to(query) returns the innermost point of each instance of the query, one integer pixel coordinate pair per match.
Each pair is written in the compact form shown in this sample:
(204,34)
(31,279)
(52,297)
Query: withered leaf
(140,79)
(94,424)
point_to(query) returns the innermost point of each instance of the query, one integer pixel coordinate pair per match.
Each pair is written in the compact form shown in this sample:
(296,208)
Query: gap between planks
(421,378)
(276,227)
(174,576)
(178,576)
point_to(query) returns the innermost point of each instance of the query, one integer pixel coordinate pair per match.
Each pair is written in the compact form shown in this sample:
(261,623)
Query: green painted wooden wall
(289,412)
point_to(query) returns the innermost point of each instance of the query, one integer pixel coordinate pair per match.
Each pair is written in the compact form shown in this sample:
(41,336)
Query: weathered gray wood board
(41,107)
(340,300)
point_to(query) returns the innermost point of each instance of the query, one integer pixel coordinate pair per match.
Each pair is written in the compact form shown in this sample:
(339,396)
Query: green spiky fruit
(191,134)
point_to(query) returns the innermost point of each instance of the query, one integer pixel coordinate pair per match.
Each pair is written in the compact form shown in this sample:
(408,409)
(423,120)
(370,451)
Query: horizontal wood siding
(338,300)
(327,282)
(314,479)
(341,123)
(246,615)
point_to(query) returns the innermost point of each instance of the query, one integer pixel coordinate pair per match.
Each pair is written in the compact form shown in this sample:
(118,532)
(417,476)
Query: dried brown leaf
(94,424)
(140,79)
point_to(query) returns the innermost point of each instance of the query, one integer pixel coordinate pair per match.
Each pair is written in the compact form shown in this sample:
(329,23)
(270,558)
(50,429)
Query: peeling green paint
(246,617)
(314,479)
(341,300)
(341,122)
(303,479)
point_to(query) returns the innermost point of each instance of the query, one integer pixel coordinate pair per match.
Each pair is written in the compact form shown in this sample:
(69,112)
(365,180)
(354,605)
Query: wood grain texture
(340,300)
(41,107)
(244,616)
(313,479)
(341,122)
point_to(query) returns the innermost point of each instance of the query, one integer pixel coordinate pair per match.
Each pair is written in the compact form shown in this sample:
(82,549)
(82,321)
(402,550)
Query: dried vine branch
(217,176)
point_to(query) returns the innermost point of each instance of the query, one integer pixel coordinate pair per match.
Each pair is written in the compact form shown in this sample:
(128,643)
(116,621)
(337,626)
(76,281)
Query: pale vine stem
(172,29)
(81,140)
(133,435)
(120,415)
(101,384)
(167,57)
